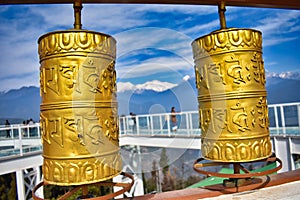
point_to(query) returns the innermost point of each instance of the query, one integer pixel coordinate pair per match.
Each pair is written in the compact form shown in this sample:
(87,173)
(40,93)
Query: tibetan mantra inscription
(233,110)
(79,108)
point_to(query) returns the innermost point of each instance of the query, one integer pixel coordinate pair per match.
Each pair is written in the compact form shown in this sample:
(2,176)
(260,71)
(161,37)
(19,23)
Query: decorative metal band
(232,96)
(227,40)
(80,128)
(78,41)
(81,171)
(76,77)
(87,156)
(257,135)
(237,150)
(230,78)
(78,104)
(230,72)
(236,119)
(79,116)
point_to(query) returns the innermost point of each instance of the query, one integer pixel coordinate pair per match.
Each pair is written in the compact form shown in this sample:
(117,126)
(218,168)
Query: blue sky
(154,41)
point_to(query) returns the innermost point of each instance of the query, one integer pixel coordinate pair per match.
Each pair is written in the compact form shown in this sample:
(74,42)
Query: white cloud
(22,25)
(184,9)
(279,22)
(164,39)
(152,66)
(186,77)
(202,29)
(157,38)
(275,41)
(278,25)
(19,81)
(115,18)
(294,28)
(154,85)
(124,16)
(53,15)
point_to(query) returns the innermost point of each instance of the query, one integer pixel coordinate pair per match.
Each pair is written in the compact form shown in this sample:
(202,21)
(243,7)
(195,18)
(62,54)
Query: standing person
(7,124)
(24,128)
(173,120)
(30,123)
(133,118)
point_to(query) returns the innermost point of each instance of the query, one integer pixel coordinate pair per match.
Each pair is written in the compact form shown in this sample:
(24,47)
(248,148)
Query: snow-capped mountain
(154,85)
(125,86)
(284,75)
(182,96)
(141,99)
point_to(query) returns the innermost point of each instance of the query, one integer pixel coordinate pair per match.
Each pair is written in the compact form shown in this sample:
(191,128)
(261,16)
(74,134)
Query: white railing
(160,124)
(20,137)
(281,116)
(284,119)
(17,130)
(284,115)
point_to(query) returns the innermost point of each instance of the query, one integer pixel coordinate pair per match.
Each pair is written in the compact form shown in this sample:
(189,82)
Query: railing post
(187,123)
(282,116)
(20,184)
(20,140)
(151,125)
(276,117)
(161,124)
(127,123)
(120,124)
(38,130)
(147,119)
(298,111)
(137,125)
(28,132)
(11,132)
(275,145)
(124,125)
(38,174)
(168,125)
(290,155)
(191,123)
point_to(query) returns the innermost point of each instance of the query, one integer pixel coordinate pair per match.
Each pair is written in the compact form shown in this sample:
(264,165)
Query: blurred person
(173,120)
(7,124)
(133,123)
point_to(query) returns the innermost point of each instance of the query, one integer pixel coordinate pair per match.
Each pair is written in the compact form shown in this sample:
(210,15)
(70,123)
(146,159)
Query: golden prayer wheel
(233,110)
(79,117)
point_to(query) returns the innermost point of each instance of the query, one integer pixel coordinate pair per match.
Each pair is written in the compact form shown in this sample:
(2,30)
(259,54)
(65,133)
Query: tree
(151,184)
(168,183)
(8,186)
(12,193)
(164,161)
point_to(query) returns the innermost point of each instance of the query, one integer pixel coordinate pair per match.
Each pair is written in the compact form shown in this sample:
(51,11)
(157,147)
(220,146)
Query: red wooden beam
(286,4)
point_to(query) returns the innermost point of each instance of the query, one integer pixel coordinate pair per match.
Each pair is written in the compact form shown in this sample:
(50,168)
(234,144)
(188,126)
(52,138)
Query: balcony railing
(284,119)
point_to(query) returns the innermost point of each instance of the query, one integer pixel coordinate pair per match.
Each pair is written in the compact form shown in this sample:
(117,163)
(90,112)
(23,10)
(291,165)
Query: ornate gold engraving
(78,109)
(233,110)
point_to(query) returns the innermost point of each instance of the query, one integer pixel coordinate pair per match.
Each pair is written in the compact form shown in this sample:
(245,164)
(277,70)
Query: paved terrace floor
(273,187)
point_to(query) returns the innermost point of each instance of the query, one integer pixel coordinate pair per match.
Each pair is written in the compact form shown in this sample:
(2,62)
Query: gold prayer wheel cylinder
(233,110)
(79,116)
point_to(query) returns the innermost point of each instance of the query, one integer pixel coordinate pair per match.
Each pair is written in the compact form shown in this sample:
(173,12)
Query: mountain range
(154,85)
(182,96)
(20,104)
(151,97)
